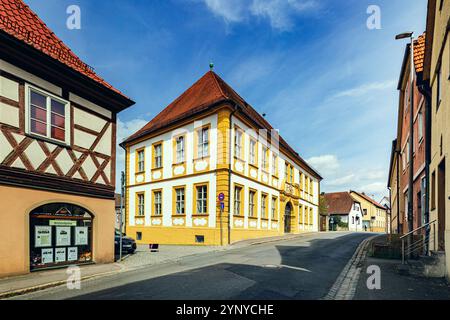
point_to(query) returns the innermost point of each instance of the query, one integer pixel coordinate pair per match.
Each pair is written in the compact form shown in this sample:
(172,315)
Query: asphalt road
(304,268)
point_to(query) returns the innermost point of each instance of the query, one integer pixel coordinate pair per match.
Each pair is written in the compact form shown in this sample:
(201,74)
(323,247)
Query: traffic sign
(221,197)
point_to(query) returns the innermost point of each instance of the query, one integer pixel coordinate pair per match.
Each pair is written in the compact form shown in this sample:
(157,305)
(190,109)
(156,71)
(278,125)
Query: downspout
(235,109)
(425,90)
(398,193)
(124,222)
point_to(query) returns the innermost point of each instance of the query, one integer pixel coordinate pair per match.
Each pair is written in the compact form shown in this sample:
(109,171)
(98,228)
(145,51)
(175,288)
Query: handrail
(422,227)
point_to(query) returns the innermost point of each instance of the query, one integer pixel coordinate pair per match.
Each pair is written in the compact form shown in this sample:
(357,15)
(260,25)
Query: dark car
(128,243)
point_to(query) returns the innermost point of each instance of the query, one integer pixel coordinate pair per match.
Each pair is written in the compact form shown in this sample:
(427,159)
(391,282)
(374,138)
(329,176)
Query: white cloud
(343,181)
(279,12)
(374,189)
(229,10)
(326,164)
(365,89)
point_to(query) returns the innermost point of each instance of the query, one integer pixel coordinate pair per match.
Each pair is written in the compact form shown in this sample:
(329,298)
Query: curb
(344,287)
(19,292)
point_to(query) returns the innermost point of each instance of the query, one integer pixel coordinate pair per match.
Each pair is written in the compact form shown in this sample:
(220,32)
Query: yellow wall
(14,226)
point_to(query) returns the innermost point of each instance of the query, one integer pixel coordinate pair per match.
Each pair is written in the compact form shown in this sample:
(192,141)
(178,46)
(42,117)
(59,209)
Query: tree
(323,206)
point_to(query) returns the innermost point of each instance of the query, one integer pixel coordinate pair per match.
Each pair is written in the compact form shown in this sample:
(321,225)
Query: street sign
(222,206)
(221,197)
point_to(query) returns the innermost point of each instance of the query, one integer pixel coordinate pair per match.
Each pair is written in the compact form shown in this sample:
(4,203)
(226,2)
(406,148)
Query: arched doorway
(287,218)
(60,235)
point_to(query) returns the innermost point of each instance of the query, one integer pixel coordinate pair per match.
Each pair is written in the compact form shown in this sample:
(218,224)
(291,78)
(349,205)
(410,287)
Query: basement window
(47,116)
(199,239)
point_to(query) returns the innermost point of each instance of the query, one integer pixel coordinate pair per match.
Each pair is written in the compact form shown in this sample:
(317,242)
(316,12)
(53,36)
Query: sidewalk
(35,281)
(396,286)
(18,285)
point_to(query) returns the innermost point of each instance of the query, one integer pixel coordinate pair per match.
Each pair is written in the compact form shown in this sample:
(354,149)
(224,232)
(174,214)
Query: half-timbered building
(57,150)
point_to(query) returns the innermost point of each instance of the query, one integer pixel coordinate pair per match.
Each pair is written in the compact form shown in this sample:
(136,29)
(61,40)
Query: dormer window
(47,116)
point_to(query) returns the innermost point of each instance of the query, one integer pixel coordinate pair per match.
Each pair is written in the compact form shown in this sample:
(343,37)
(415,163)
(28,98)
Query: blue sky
(325,80)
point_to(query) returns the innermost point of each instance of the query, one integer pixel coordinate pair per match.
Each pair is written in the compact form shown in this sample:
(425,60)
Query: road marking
(344,287)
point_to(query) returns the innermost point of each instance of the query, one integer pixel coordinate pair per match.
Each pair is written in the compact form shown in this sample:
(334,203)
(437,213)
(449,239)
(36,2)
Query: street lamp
(410,35)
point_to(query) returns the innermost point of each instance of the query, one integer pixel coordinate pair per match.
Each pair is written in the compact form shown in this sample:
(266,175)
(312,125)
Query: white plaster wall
(168,155)
(260,188)
(167,189)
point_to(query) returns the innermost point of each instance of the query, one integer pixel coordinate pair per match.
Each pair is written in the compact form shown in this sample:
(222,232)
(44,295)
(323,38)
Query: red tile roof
(18,20)
(339,202)
(419,53)
(208,91)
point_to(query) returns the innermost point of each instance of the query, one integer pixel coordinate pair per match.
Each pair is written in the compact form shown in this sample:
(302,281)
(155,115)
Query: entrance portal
(60,234)
(287,218)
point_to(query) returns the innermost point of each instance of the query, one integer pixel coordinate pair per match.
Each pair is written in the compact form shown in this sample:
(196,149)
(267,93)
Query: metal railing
(419,245)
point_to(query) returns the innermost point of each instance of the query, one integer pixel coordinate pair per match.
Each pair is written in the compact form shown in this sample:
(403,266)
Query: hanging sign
(81,236)
(42,236)
(63,223)
(60,255)
(63,236)
(47,256)
(72,254)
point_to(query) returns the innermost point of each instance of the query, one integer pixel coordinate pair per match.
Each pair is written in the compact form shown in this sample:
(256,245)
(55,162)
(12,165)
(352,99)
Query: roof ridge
(216,81)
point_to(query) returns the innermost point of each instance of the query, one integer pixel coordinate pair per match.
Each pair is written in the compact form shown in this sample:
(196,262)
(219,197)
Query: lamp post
(410,35)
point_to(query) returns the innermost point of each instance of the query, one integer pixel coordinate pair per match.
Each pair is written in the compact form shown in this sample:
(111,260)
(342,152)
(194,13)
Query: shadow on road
(301,270)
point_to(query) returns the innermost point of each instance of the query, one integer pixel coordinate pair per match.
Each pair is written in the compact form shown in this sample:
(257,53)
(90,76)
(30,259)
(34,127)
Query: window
(291,174)
(157,156)
(301,178)
(274,208)
(140,204)
(263,206)
(407,98)
(47,115)
(420,125)
(438,87)
(300,213)
(157,200)
(140,160)
(203,143)
(138,236)
(307,184)
(311,187)
(180,149)
(356,207)
(252,155)
(237,201)
(353,220)
(274,164)
(179,200)
(365,212)
(238,143)
(286,172)
(265,158)
(202,199)
(311,216)
(251,204)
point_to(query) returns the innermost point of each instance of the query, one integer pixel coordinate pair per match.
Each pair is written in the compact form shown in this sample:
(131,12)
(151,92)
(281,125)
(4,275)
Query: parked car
(128,243)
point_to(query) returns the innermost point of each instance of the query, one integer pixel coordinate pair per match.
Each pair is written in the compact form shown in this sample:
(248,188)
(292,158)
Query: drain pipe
(425,90)
(235,109)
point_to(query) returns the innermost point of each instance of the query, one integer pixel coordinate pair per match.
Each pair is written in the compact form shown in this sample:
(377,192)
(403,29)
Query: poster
(60,255)
(81,236)
(72,254)
(63,236)
(42,236)
(47,256)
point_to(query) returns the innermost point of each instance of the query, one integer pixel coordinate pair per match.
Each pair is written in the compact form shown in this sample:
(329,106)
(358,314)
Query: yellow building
(374,214)
(210,170)
(437,74)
